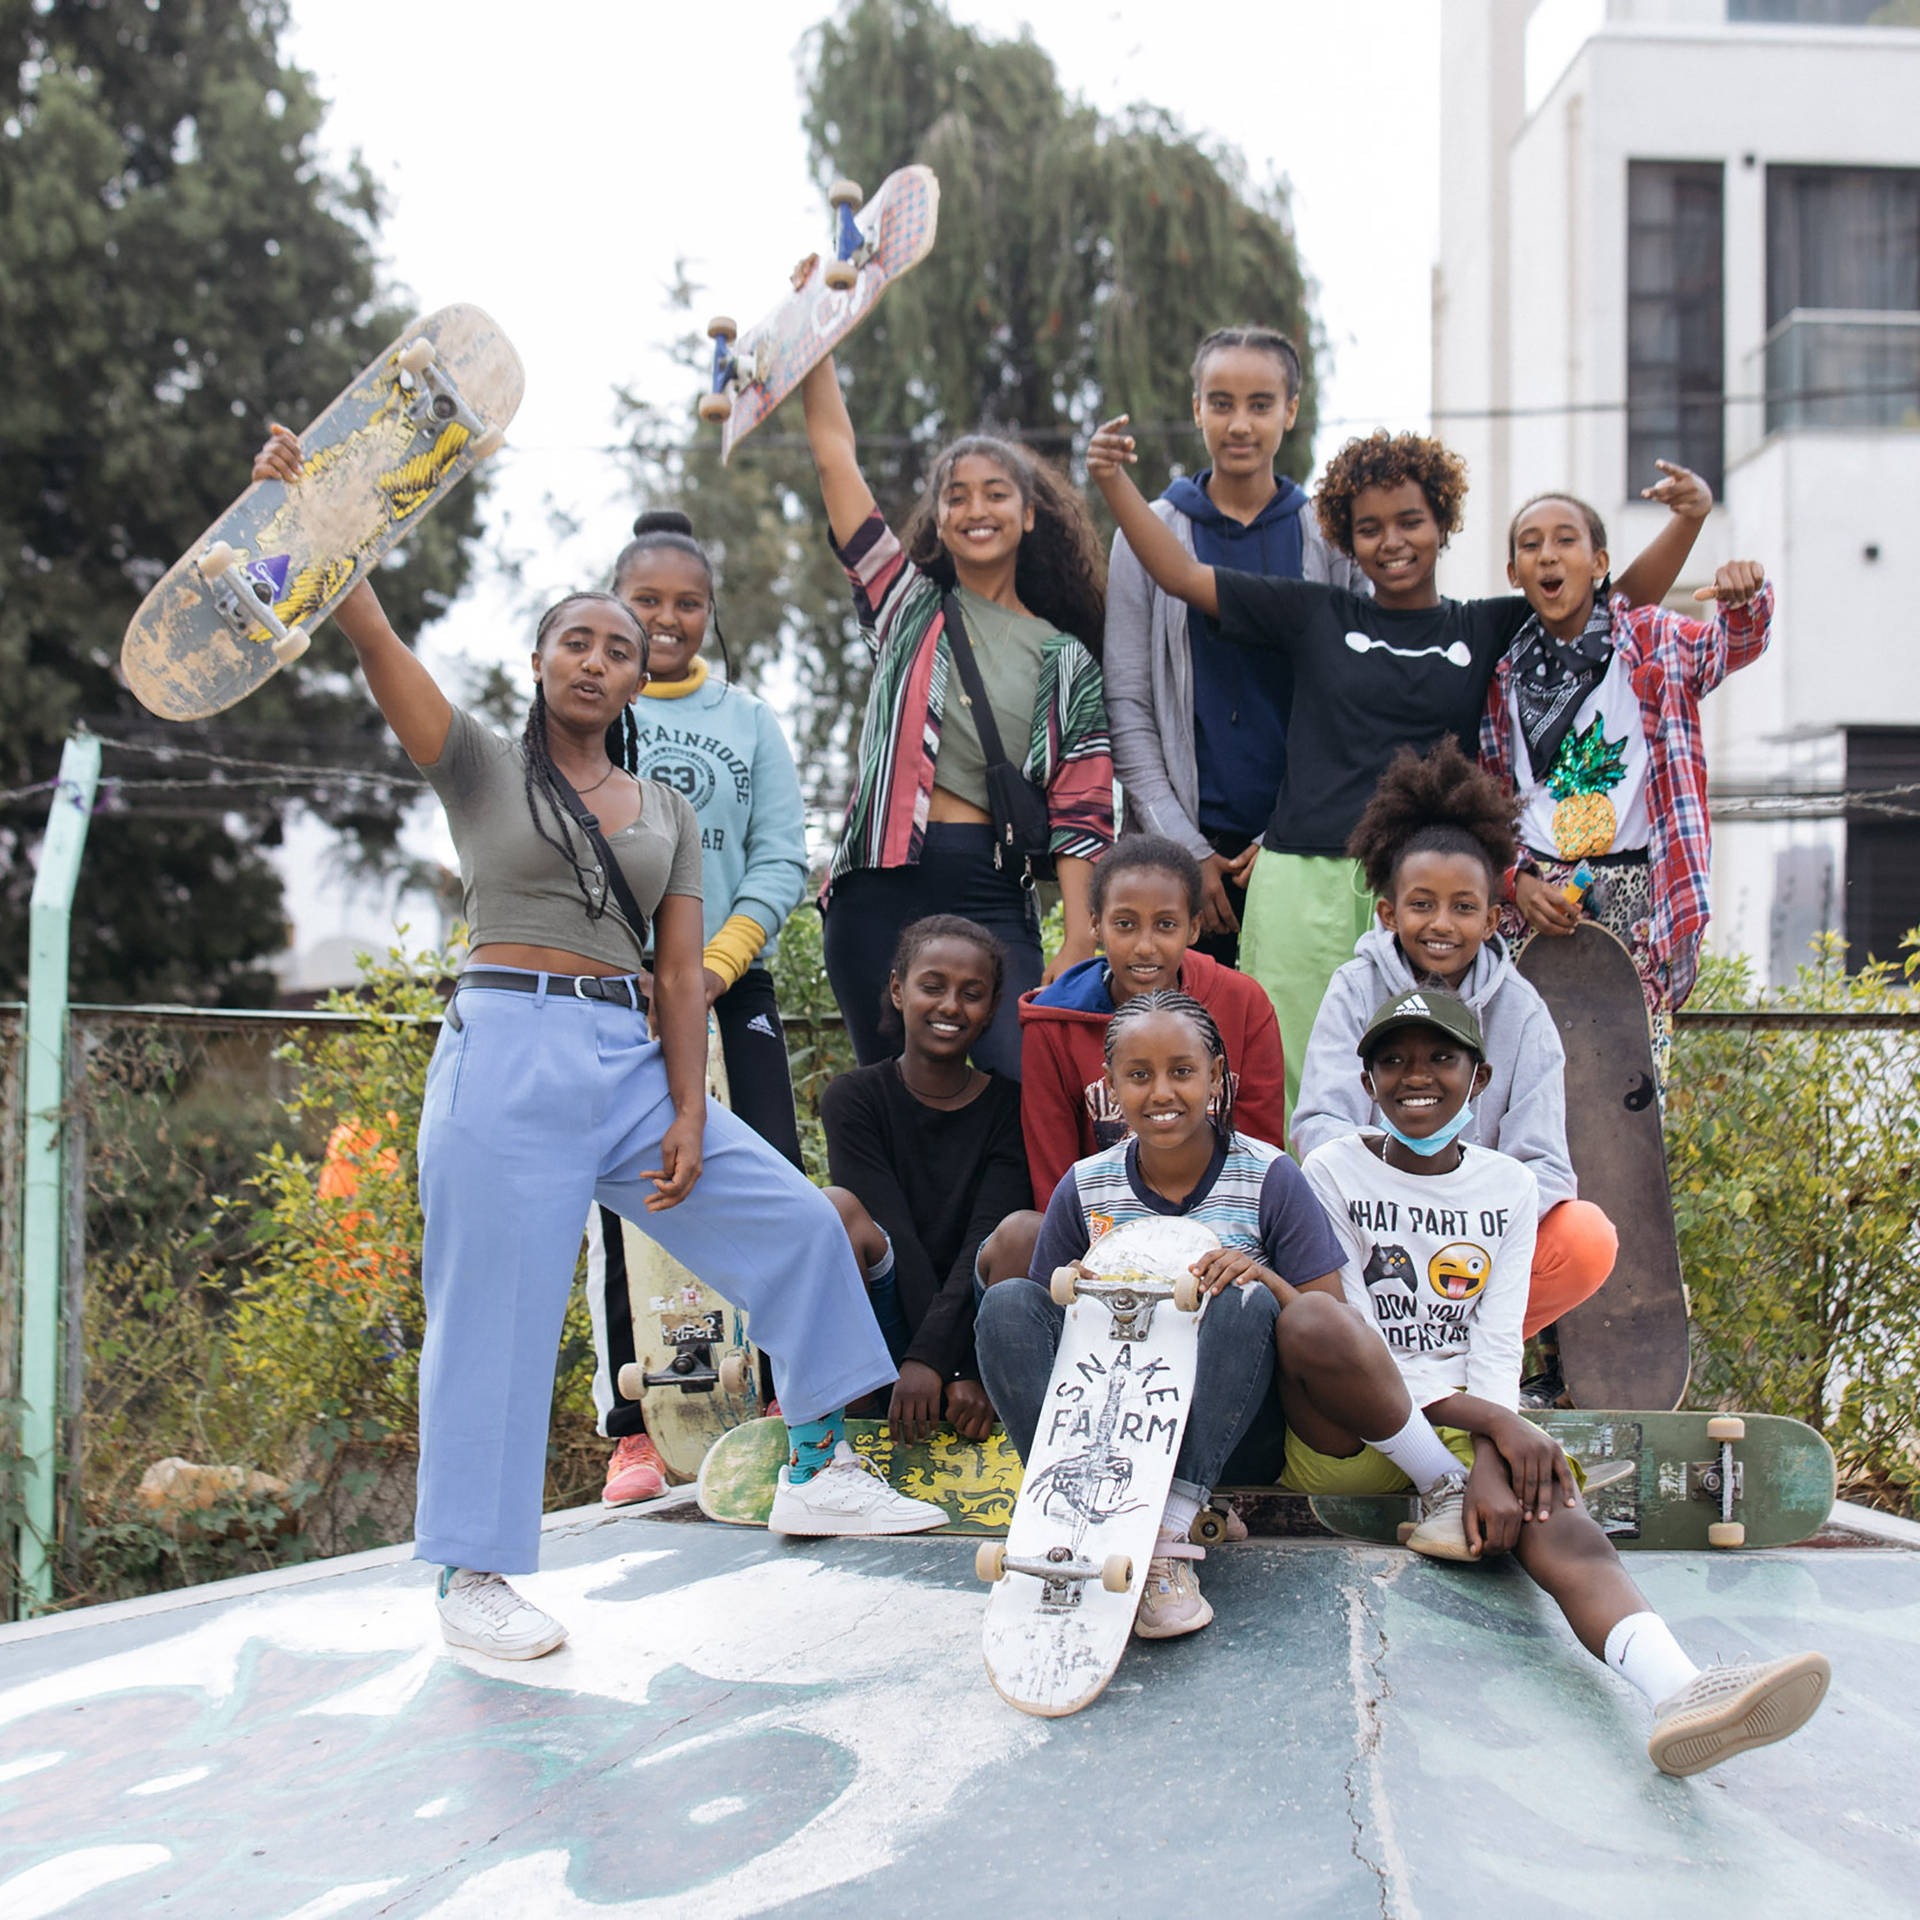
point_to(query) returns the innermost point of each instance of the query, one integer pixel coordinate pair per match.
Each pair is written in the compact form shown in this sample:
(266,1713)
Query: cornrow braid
(1171,1000)
(542,777)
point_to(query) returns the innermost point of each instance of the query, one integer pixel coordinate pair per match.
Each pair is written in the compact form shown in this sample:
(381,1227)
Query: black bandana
(1552,677)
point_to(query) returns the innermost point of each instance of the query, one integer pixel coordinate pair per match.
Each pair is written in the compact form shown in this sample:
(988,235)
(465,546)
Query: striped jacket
(1068,756)
(1673,663)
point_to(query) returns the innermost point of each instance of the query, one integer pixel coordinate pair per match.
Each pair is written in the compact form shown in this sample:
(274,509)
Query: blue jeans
(1017,1332)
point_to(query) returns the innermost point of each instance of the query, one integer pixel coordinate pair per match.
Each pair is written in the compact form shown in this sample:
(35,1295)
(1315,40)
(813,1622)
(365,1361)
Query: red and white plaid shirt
(1672,662)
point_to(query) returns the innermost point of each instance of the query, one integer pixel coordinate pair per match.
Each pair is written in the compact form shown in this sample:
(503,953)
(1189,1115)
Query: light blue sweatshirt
(721,749)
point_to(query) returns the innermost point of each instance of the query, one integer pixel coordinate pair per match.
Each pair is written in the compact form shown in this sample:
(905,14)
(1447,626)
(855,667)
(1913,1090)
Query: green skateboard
(976,1481)
(1696,1480)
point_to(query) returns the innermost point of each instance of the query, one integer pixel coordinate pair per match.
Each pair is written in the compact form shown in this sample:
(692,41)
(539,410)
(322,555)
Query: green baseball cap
(1425,1007)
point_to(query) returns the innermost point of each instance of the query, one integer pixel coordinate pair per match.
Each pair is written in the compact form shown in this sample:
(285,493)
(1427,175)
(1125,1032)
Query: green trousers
(1303,914)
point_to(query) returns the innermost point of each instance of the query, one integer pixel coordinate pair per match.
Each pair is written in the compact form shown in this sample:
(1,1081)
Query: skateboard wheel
(632,1380)
(1726,1533)
(840,276)
(216,560)
(845,193)
(990,1560)
(1726,1426)
(289,646)
(716,408)
(736,1376)
(416,356)
(1209,1528)
(1116,1573)
(489,444)
(1064,1286)
(1186,1292)
(721,327)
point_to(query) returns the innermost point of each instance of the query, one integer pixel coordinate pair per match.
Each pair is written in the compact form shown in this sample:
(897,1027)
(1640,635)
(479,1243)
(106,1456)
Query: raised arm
(1688,498)
(403,690)
(1155,545)
(836,459)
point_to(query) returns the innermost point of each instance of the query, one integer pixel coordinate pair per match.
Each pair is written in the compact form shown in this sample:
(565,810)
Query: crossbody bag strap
(589,824)
(961,647)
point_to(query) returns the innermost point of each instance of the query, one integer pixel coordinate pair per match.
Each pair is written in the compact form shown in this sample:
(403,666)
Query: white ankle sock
(881,1267)
(1419,1452)
(1178,1516)
(1641,1649)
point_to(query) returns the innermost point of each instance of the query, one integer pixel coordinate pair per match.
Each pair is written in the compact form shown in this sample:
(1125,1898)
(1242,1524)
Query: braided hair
(666,529)
(623,749)
(1171,1000)
(1438,802)
(1267,340)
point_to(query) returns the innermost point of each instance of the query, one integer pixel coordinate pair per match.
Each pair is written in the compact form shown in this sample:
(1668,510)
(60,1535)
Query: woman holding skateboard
(984,617)
(547,1090)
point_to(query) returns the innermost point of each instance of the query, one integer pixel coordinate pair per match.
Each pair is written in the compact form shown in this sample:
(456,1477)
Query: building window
(1883,849)
(1810,13)
(1676,332)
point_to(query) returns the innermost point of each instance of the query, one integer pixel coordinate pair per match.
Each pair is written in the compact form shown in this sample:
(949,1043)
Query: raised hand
(280,458)
(1682,491)
(1110,449)
(1735,583)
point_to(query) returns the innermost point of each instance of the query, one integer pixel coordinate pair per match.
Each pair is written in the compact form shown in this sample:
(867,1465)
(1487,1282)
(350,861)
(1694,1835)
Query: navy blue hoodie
(1241,695)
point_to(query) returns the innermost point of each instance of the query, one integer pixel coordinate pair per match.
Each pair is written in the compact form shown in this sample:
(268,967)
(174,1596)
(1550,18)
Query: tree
(1080,260)
(175,267)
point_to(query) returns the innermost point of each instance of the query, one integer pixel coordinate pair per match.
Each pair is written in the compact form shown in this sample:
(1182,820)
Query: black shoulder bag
(1022,831)
(589,824)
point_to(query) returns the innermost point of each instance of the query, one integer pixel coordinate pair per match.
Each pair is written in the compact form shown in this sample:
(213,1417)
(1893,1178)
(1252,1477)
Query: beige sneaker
(1726,1710)
(1441,1531)
(1173,1603)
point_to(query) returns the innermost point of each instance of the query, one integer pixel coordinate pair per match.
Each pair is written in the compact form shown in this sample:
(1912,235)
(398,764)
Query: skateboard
(975,1481)
(242,603)
(872,246)
(1068,1579)
(1627,1345)
(694,1371)
(1691,1480)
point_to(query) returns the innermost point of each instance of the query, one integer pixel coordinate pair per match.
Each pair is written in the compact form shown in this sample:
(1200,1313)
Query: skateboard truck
(733,371)
(1723,1480)
(248,605)
(851,248)
(437,402)
(1131,1298)
(1060,1569)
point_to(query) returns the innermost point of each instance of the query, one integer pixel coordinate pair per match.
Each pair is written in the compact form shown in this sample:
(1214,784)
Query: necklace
(934,1099)
(598,784)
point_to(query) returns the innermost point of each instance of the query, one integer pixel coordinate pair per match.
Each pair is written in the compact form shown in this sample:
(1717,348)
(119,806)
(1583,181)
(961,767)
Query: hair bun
(663,520)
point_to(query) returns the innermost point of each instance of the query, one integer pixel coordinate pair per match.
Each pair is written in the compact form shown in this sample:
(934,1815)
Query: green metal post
(53,885)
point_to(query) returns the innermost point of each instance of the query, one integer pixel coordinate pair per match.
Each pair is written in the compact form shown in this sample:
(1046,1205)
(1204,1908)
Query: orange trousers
(1572,1255)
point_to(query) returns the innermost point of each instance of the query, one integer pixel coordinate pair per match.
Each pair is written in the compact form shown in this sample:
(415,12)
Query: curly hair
(1172,1000)
(1440,802)
(1382,459)
(1060,572)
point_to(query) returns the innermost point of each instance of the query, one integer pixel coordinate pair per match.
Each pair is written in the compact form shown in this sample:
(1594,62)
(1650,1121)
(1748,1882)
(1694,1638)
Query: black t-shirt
(1367,680)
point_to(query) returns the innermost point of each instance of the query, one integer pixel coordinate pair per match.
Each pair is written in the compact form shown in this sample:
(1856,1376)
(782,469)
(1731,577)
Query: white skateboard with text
(1068,1578)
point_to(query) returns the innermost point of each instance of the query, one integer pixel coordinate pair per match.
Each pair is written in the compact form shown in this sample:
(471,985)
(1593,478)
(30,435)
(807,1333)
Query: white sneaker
(848,1495)
(480,1611)
(1441,1531)
(1726,1710)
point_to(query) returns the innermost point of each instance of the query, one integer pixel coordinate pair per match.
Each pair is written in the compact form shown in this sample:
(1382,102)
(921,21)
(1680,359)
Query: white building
(1691,229)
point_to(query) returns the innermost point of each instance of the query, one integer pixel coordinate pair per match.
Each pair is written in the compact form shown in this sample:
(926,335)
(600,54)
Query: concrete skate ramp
(739,1724)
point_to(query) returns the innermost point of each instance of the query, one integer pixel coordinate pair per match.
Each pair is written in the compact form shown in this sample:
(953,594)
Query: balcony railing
(1839,367)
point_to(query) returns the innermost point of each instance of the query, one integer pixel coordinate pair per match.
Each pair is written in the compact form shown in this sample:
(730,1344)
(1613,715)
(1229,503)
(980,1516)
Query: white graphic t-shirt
(1593,799)
(1440,1264)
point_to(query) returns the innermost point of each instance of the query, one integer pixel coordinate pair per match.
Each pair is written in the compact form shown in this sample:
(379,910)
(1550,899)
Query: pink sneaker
(636,1472)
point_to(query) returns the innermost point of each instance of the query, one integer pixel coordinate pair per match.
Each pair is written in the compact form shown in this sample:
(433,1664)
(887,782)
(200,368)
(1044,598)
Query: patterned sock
(813,1442)
(1641,1649)
(1419,1452)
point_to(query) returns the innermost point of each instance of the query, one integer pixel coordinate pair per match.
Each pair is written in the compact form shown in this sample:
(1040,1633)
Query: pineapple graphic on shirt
(1584,773)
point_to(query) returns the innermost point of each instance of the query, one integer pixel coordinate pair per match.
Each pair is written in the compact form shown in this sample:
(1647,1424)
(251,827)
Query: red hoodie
(1066,1111)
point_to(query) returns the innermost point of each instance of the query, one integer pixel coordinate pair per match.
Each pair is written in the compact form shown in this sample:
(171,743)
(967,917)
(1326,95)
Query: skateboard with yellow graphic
(243,601)
(975,1481)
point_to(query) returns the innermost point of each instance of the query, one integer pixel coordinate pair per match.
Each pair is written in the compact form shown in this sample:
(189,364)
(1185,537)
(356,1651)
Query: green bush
(1793,1157)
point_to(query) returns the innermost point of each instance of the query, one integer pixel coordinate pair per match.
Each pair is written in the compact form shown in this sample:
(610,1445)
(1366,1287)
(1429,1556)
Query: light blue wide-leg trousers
(537,1105)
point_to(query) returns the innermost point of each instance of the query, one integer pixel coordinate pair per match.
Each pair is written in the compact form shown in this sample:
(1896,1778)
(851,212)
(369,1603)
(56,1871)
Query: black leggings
(869,907)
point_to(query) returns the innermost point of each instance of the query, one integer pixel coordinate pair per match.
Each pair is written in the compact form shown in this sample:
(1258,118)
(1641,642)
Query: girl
(926,1157)
(1593,717)
(1011,544)
(1404,1371)
(721,750)
(1166,1071)
(1405,666)
(546,1091)
(1199,727)
(1435,843)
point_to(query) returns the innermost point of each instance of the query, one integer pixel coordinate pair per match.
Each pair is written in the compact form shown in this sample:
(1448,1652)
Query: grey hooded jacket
(1523,1112)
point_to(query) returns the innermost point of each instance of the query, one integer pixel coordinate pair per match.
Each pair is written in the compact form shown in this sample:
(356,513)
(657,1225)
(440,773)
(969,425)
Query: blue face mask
(1434,1142)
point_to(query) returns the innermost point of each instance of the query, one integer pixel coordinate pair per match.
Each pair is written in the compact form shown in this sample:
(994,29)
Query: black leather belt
(619,989)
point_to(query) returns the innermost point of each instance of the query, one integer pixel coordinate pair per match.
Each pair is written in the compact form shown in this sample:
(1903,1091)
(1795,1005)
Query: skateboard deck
(1069,1578)
(975,1481)
(1698,1480)
(873,245)
(410,428)
(1627,1345)
(694,1371)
